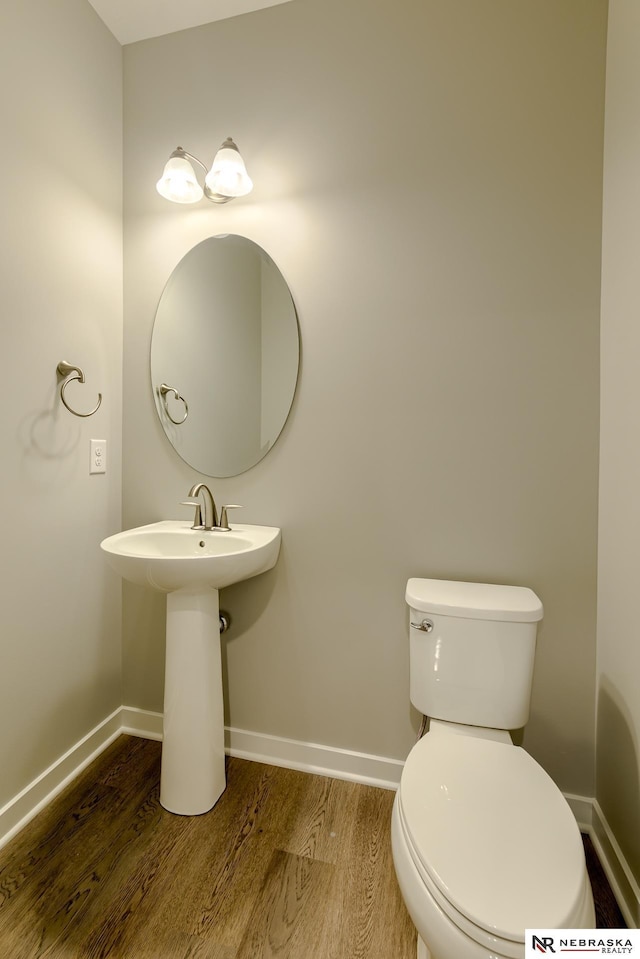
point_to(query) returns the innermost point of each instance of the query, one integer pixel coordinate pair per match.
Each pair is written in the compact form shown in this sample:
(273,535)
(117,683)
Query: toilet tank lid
(514,604)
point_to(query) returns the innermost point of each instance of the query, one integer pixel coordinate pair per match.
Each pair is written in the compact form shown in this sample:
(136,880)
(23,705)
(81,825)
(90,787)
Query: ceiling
(131,20)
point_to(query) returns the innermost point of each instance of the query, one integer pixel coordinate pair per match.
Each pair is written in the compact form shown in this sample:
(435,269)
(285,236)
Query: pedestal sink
(191,565)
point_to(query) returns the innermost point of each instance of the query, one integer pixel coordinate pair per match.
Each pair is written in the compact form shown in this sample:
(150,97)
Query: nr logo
(543,944)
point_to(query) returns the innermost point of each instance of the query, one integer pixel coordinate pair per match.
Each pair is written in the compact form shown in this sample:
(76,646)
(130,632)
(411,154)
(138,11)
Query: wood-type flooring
(286,866)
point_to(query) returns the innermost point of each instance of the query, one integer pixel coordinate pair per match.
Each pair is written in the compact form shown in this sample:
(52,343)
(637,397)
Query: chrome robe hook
(70,373)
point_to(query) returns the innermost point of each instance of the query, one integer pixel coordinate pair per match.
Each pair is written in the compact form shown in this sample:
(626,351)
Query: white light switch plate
(98,461)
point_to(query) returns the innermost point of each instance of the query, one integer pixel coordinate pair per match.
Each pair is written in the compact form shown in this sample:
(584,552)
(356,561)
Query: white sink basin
(170,555)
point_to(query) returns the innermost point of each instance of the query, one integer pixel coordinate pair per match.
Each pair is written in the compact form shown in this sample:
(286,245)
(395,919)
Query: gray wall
(618,726)
(428,179)
(60,298)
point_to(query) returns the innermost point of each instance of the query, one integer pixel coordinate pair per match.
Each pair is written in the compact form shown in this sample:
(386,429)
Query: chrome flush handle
(425,626)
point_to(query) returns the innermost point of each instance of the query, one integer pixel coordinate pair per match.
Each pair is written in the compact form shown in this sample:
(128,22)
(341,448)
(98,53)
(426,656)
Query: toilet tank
(472,648)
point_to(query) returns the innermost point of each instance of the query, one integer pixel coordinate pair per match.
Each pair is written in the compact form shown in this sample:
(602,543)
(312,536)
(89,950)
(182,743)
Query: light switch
(98,461)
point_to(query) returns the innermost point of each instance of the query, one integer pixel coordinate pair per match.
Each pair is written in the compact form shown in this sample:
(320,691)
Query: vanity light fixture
(227,178)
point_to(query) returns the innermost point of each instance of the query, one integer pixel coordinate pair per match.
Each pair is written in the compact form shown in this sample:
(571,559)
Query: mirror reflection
(224,355)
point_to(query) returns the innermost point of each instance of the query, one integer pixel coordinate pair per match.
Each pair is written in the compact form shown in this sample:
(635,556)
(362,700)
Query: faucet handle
(224,522)
(194,501)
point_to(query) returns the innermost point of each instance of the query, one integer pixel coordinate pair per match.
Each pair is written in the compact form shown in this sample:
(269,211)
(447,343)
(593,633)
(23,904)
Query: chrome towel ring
(163,389)
(65,369)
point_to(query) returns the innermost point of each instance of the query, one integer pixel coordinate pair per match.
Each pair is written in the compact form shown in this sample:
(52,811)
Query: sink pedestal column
(193,766)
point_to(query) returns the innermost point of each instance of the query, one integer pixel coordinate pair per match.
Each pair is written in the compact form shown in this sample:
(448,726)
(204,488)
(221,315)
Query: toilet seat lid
(493,832)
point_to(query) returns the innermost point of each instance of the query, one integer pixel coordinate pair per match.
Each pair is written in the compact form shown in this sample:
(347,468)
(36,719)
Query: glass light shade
(228,175)
(178,182)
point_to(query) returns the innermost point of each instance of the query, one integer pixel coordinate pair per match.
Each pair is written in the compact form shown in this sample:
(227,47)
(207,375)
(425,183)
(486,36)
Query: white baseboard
(141,722)
(313,758)
(582,809)
(621,879)
(22,808)
(292,754)
(591,820)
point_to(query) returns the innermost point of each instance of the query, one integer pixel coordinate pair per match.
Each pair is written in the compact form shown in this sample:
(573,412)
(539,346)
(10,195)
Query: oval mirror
(224,355)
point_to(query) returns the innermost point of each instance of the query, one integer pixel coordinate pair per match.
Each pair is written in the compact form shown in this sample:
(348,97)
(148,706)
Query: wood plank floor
(287,866)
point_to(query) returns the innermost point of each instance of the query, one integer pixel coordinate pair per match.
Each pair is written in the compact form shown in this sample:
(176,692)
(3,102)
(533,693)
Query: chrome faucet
(210,511)
(211,521)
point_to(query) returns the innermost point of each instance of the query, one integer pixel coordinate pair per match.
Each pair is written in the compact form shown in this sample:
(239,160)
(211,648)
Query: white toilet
(484,843)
